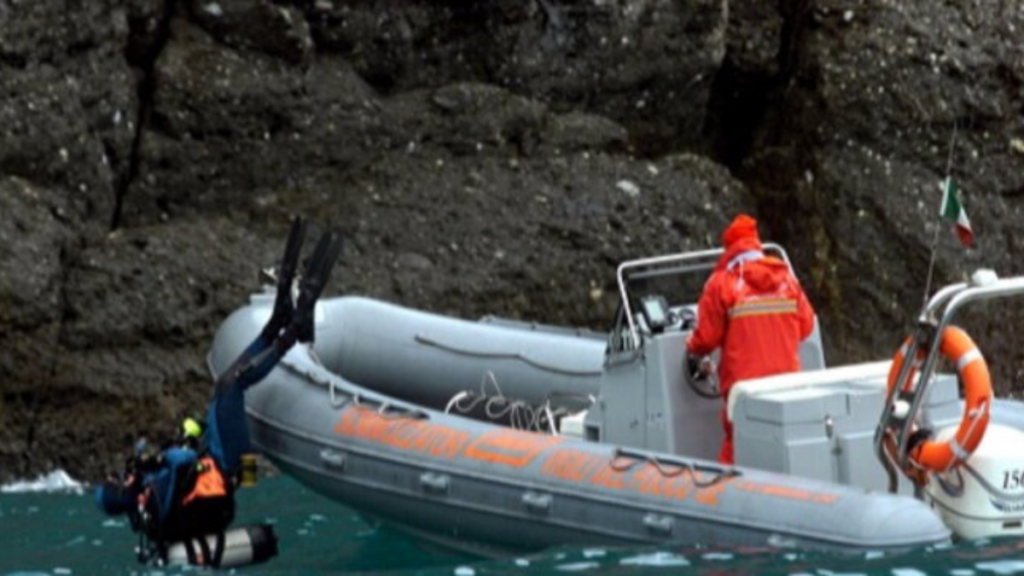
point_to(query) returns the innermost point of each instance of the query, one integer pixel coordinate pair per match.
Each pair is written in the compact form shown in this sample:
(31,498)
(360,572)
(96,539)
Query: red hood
(735,249)
(766,274)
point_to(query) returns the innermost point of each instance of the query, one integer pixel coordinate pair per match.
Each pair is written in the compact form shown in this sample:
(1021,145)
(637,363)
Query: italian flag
(953,211)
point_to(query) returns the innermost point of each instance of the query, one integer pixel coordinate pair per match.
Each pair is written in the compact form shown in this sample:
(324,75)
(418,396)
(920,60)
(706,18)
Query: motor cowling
(984,496)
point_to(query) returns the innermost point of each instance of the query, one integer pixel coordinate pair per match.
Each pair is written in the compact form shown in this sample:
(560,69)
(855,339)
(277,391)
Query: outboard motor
(984,497)
(241,546)
(971,474)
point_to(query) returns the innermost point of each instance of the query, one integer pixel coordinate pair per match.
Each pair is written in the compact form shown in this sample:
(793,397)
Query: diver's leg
(228,435)
(283,306)
(282,315)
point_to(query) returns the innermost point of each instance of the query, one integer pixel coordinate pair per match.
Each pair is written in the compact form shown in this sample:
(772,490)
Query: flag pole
(938,226)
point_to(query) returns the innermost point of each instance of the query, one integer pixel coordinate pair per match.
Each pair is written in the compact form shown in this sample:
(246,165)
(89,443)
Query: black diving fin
(292,319)
(312,284)
(283,305)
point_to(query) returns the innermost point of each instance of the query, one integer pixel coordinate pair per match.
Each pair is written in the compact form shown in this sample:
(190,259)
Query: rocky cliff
(479,157)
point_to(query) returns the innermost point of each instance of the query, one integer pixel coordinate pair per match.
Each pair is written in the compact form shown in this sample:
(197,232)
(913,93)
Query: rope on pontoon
(678,465)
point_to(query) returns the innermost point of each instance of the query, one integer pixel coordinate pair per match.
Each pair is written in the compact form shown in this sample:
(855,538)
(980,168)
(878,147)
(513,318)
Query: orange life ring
(959,349)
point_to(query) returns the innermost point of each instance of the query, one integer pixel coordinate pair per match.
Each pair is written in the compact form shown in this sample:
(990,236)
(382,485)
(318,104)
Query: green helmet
(190,428)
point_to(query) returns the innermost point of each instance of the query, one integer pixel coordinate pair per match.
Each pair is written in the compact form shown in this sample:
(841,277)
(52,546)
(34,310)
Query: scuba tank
(240,546)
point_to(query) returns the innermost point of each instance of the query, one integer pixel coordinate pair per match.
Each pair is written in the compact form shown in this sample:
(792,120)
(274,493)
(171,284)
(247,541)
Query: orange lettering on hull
(787,492)
(569,465)
(402,433)
(648,480)
(609,478)
(509,447)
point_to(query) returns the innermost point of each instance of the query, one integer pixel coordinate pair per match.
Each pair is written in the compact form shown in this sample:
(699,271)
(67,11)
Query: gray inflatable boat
(500,437)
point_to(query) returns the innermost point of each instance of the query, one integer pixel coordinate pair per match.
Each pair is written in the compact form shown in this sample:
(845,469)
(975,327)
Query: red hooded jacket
(756,312)
(754,309)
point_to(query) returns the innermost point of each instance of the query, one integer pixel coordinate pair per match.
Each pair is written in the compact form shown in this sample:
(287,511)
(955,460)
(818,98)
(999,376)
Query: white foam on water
(62,571)
(660,559)
(522,562)
(831,573)
(908,572)
(594,552)
(717,556)
(56,481)
(317,517)
(874,554)
(111,523)
(77,540)
(577,566)
(1002,566)
(465,571)
(961,572)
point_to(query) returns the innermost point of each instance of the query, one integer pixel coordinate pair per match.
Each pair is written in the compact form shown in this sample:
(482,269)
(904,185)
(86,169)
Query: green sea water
(62,533)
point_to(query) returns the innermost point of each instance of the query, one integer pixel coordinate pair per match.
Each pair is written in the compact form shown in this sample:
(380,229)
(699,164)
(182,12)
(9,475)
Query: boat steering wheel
(705,386)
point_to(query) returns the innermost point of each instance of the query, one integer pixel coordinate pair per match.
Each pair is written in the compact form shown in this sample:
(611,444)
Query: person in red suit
(754,309)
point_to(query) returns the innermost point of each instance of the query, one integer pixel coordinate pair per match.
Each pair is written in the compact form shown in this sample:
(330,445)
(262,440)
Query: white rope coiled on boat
(521,414)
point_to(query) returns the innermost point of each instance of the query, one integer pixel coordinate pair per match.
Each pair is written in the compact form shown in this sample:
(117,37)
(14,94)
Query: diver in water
(185,491)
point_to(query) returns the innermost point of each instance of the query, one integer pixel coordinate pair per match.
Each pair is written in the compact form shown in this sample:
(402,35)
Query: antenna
(935,238)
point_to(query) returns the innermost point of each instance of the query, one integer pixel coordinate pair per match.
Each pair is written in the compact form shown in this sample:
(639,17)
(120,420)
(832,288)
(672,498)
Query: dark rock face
(645,64)
(67,100)
(858,137)
(480,157)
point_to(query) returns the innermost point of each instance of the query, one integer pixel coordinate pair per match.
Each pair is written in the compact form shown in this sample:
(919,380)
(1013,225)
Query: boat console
(647,400)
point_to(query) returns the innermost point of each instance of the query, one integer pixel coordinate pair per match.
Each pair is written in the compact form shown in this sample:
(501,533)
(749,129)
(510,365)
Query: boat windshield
(677,278)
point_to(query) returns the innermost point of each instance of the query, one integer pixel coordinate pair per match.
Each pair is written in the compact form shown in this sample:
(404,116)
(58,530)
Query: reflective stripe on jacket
(757,313)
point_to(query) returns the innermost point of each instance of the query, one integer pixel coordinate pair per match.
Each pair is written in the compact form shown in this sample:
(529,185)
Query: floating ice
(1002,566)
(577,566)
(77,540)
(657,559)
(907,572)
(56,481)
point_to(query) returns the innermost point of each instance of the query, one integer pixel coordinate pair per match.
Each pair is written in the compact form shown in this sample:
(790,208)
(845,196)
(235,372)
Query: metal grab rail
(949,300)
(711,256)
